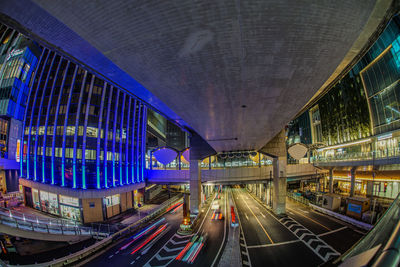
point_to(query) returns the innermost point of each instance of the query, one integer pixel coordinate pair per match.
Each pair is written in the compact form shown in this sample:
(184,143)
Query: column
(195,186)
(331,180)
(352,181)
(279,181)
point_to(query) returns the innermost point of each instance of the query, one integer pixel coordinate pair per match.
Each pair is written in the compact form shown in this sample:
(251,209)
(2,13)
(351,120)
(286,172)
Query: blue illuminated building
(18,60)
(83,142)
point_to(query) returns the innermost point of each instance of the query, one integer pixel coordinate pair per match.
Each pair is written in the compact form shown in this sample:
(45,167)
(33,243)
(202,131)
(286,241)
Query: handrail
(78,256)
(359,156)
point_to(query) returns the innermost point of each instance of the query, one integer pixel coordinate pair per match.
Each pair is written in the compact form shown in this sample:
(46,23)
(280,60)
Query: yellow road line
(265,231)
(329,229)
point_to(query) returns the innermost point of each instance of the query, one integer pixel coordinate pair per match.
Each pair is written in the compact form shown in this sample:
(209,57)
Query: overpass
(243,175)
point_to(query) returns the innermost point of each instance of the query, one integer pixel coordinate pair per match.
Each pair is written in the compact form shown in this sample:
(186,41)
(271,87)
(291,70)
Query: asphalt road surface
(303,238)
(164,244)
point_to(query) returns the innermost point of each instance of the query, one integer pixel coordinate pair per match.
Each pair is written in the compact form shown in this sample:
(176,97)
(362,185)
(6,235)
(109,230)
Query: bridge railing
(28,222)
(74,258)
(355,156)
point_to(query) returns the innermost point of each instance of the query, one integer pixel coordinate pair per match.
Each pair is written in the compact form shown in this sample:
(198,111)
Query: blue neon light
(133,142)
(55,122)
(46,125)
(103,93)
(144,124)
(38,121)
(65,127)
(76,130)
(120,140)
(85,135)
(128,122)
(106,138)
(30,126)
(113,142)
(137,165)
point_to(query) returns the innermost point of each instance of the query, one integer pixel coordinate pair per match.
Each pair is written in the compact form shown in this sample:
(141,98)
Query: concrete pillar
(352,181)
(195,186)
(370,187)
(279,181)
(331,180)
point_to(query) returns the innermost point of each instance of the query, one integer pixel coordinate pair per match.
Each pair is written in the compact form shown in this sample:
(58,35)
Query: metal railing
(358,156)
(298,198)
(51,226)
(74,258)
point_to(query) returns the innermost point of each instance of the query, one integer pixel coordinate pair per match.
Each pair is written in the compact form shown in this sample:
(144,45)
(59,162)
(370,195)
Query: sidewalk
(231,255)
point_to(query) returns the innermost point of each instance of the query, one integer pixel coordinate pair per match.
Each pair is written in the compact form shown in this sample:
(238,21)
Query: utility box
(331,202)
(356,206)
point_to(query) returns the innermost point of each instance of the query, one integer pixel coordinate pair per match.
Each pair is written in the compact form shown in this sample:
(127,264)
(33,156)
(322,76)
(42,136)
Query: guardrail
(359,156)
(298,198)
(82,254)
(60,227)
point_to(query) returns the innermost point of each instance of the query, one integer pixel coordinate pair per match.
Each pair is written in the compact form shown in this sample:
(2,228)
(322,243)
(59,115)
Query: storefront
(70,208)
(94,208)
(66,207)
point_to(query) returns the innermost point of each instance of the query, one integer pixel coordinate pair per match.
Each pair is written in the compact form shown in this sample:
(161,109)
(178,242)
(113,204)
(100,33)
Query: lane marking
(333,231)
(327,228)
(225,225)
(262,227)
(132,262)
(110,256)
(247,217)
(262,214)
(275,244)
(248,263)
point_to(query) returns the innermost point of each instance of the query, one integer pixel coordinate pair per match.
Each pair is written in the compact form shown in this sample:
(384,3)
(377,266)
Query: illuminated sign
(14,53)
(18,154)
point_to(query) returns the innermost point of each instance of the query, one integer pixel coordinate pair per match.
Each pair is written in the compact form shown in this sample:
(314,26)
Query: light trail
(175,210)
(159,230)
(142,233)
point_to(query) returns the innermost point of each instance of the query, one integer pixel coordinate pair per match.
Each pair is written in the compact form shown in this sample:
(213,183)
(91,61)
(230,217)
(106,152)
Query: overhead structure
(235,72)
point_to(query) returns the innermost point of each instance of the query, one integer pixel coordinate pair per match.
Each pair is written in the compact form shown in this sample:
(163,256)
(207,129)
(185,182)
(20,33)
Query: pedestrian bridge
(241,175)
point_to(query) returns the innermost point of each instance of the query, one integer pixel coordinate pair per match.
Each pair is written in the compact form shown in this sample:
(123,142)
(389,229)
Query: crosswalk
(317,245)
(169,251)
(244,253)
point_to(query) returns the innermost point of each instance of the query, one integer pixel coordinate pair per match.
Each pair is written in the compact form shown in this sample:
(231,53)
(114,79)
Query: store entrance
(28,197)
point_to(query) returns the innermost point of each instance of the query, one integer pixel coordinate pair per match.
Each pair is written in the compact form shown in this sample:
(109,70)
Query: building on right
(356,124)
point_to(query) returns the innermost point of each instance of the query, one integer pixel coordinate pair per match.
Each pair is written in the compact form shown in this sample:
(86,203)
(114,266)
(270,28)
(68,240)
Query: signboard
(18,153)
(14,53)
(354,208)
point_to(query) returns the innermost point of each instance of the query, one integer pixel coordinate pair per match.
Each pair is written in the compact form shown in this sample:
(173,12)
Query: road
(163,249)
(303,238)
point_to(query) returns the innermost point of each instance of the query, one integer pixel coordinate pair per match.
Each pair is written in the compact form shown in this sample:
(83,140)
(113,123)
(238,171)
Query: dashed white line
(110,256)
(132,262)
(247,217)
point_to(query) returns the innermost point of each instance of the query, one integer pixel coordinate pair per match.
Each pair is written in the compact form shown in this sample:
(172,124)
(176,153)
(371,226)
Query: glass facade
(81,131)
(18,60)
(366,101)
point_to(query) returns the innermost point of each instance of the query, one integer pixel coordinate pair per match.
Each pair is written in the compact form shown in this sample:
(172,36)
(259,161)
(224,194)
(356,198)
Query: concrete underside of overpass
(234,71)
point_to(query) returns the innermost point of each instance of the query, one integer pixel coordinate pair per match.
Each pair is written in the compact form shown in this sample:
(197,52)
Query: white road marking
(110,256)
(132,262)
(247,217)
(333,231)
(275,244)
(262,214)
